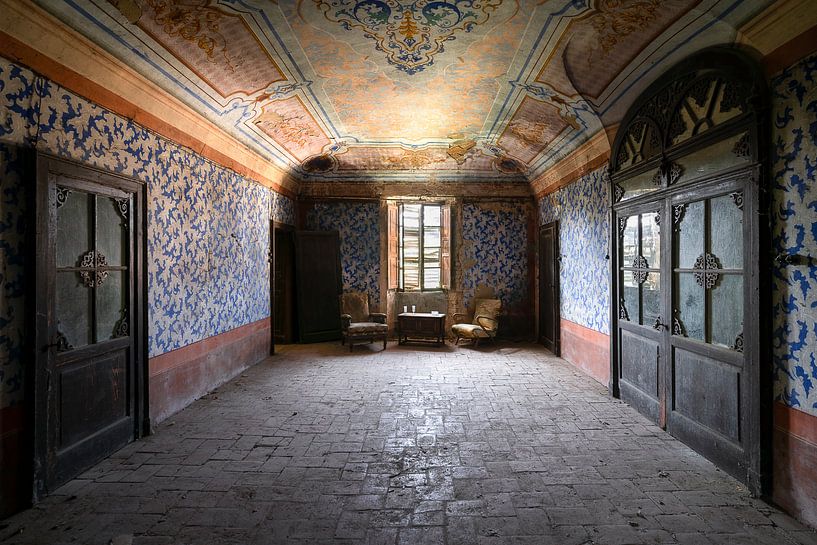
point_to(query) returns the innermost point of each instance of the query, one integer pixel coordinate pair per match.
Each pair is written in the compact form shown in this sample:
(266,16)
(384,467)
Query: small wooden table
(421,327)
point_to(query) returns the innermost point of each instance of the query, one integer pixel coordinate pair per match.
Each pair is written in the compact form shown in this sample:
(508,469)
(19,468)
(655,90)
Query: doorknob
(658,325)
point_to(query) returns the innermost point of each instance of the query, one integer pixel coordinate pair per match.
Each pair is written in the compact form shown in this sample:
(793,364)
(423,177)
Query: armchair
(483,325)
(358,324)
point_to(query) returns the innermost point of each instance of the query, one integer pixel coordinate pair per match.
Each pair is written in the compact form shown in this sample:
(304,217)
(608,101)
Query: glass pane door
(92,258)
(640,274)
(708,269)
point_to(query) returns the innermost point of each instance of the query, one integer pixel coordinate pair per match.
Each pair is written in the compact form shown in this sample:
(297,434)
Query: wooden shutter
(445,247)
(394,266)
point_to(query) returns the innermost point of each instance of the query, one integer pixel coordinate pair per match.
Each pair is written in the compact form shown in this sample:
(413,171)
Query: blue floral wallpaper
(282,208)
(582,211)
(494,251)
(12,275)
(208,227)
(357,223)
(794,233)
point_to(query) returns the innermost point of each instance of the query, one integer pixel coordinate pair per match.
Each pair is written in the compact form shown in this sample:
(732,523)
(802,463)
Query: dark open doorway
(284,317)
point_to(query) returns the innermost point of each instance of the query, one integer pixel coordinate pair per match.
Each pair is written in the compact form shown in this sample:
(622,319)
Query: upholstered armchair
(482,325)
(358,324)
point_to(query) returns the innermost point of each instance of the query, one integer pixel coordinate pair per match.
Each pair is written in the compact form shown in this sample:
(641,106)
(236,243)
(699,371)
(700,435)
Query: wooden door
(549,296)
(690,288)
(711,400)
(641,332)
(89,378)
(283,291)
(318,285)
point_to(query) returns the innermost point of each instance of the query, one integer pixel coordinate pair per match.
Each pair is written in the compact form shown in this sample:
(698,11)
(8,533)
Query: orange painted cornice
(586,158)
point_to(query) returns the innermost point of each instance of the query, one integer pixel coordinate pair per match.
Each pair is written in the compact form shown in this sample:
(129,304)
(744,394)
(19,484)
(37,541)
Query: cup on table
(405,308)
(414,308)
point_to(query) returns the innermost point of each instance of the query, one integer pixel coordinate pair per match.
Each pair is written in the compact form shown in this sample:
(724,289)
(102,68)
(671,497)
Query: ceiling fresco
(406,90)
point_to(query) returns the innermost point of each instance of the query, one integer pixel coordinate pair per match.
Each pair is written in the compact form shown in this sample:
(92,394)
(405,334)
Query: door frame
(557,342)
(735,65)
(44,199)
(275,227)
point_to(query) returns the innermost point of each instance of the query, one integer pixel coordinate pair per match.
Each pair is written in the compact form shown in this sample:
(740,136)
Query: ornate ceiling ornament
(319,163)
(410,34)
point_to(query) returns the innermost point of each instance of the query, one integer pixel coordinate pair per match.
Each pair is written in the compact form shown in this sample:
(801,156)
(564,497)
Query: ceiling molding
(378,190)
(777,25)
(586,158)
(36,39)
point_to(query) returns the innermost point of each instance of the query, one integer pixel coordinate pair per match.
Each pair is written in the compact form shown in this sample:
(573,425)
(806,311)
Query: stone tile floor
(407,446)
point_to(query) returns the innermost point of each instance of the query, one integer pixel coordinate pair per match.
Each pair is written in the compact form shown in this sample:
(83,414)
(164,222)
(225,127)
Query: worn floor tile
(496,445)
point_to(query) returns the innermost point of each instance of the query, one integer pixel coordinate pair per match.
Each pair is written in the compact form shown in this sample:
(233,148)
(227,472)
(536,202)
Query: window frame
(401,269)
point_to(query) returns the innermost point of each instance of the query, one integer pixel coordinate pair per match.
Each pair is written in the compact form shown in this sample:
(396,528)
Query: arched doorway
(688,242)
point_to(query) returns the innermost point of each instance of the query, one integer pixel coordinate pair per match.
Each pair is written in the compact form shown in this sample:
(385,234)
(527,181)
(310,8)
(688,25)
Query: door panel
(639,373)
(89,363)
(318,285)
(715,407)
(549,294)
(707,405)
(92,395)
(640,309)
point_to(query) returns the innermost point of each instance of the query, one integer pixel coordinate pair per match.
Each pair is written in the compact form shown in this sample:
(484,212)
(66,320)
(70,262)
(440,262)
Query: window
(422,246)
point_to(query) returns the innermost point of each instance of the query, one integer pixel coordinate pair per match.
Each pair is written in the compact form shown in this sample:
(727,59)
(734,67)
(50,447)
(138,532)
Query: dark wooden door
(549,261)
(284,287)
(690,241)
(710,383)
(318,285)
(641,334)
(89,378)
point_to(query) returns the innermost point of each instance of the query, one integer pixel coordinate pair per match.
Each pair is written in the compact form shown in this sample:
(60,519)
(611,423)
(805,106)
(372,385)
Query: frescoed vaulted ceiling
(406,89)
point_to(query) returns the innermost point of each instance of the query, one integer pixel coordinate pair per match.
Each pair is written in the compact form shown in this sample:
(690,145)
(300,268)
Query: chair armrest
(491,326)
(378,317)
(345,320)
(459,317)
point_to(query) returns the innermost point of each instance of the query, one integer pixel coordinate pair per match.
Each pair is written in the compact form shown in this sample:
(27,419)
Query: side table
(420,327)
